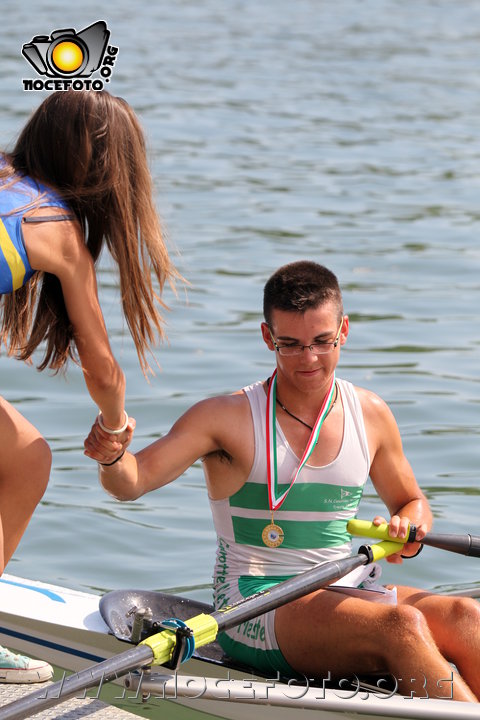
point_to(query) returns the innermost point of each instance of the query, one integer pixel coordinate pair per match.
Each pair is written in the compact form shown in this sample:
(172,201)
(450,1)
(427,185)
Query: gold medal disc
(272,535)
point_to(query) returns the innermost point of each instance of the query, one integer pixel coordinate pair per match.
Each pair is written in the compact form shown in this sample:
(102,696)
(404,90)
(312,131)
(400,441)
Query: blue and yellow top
(15,200)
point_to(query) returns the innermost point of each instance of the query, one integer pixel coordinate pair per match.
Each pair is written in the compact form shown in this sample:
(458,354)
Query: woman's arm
(59,248)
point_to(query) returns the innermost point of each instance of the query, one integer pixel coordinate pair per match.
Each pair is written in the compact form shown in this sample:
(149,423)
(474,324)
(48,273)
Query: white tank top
(313,517)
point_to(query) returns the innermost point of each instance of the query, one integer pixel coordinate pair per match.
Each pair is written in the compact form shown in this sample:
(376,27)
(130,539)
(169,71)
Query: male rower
(285,462)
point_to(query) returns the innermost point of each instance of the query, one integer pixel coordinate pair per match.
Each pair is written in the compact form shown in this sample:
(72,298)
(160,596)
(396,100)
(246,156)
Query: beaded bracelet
(109,430)
(112,463)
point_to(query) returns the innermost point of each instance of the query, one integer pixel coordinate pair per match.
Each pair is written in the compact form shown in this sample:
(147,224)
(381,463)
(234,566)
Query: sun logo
(67,57)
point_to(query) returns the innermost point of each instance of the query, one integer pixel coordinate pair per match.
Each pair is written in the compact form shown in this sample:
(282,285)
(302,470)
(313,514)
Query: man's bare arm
(391,473)
(206,427)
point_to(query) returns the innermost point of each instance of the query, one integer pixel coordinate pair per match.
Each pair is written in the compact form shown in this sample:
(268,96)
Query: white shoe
(22,669)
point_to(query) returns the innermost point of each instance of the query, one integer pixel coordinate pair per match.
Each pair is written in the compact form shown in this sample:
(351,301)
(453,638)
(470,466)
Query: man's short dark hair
(300,286)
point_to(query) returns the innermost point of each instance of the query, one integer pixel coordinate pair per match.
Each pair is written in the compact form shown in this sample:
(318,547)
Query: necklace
(310,427)
(272,534)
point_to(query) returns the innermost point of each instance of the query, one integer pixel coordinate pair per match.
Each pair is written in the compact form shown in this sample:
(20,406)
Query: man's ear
(345,329)
(267,338)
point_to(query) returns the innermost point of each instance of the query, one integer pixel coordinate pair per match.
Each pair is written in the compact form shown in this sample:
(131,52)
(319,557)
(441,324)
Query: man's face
(319,327)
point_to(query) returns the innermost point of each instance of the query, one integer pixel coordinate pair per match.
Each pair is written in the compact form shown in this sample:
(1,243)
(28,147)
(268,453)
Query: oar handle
(365,528)
(384,549)
(465,544)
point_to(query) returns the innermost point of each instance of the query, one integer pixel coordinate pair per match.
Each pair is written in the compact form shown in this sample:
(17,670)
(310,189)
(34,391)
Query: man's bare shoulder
(230,401)
(219,409)
(373,406)
(218,427)
(380,425)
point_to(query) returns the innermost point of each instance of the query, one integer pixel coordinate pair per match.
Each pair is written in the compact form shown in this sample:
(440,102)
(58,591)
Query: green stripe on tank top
(298,535)
(252,584)
(313,497)
(270,662)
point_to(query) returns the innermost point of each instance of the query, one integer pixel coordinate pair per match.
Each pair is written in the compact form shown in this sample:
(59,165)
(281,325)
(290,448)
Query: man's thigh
(329,631)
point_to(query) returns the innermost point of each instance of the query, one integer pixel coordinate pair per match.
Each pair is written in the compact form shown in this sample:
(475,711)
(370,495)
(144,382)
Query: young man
(285,463)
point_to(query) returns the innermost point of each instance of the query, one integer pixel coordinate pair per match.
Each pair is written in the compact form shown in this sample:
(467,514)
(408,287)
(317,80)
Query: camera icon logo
(66,53)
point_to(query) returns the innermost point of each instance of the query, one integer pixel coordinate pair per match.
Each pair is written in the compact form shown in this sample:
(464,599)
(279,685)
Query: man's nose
(311,354)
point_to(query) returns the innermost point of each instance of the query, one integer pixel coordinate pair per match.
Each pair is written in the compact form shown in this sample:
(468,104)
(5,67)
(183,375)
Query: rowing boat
(74,630)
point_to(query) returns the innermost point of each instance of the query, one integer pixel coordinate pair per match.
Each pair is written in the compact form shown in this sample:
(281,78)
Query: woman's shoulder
(54,241)
(20,191)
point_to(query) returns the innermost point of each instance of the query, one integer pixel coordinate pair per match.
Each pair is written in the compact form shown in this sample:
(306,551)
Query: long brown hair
(90,148)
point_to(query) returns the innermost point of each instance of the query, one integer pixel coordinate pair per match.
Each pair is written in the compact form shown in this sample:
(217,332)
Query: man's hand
(399,527)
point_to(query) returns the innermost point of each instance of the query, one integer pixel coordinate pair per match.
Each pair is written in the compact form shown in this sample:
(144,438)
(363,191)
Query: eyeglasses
(320,348)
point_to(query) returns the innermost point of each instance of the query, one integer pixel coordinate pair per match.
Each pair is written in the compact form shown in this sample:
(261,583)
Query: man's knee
(406,624)
(464,611)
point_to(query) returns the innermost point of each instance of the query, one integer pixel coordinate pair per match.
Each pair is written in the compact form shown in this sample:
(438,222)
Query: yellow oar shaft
(162,644)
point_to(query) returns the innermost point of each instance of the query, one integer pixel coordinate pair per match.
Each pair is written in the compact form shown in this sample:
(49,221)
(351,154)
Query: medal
(272,534)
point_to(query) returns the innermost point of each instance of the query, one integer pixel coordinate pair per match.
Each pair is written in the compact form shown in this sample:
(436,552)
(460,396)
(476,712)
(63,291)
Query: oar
(465,544)
(158,649)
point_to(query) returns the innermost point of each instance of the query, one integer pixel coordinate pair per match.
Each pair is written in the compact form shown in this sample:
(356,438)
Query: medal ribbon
(272,477)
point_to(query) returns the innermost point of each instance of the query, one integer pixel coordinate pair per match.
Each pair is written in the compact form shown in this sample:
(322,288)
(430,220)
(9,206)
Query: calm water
(343,132)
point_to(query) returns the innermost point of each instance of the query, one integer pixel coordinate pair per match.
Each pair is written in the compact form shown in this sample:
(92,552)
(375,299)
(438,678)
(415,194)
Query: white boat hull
(65,627)
(59,625)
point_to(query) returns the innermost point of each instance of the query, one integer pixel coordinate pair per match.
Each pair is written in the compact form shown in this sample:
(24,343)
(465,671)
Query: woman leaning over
(77,179)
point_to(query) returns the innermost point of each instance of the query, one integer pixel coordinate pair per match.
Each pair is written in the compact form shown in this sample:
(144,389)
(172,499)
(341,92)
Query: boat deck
(69,709)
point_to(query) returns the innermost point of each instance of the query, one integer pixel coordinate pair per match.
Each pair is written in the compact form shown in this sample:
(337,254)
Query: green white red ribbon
(274,500)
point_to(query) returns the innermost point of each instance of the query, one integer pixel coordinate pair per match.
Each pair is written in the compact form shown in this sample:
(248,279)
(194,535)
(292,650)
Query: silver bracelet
(109,430)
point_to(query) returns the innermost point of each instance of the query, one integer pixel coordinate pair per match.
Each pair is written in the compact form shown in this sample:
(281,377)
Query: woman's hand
(104,447)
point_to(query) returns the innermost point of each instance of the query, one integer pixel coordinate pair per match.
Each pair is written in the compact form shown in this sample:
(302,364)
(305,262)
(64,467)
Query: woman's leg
(24,471)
